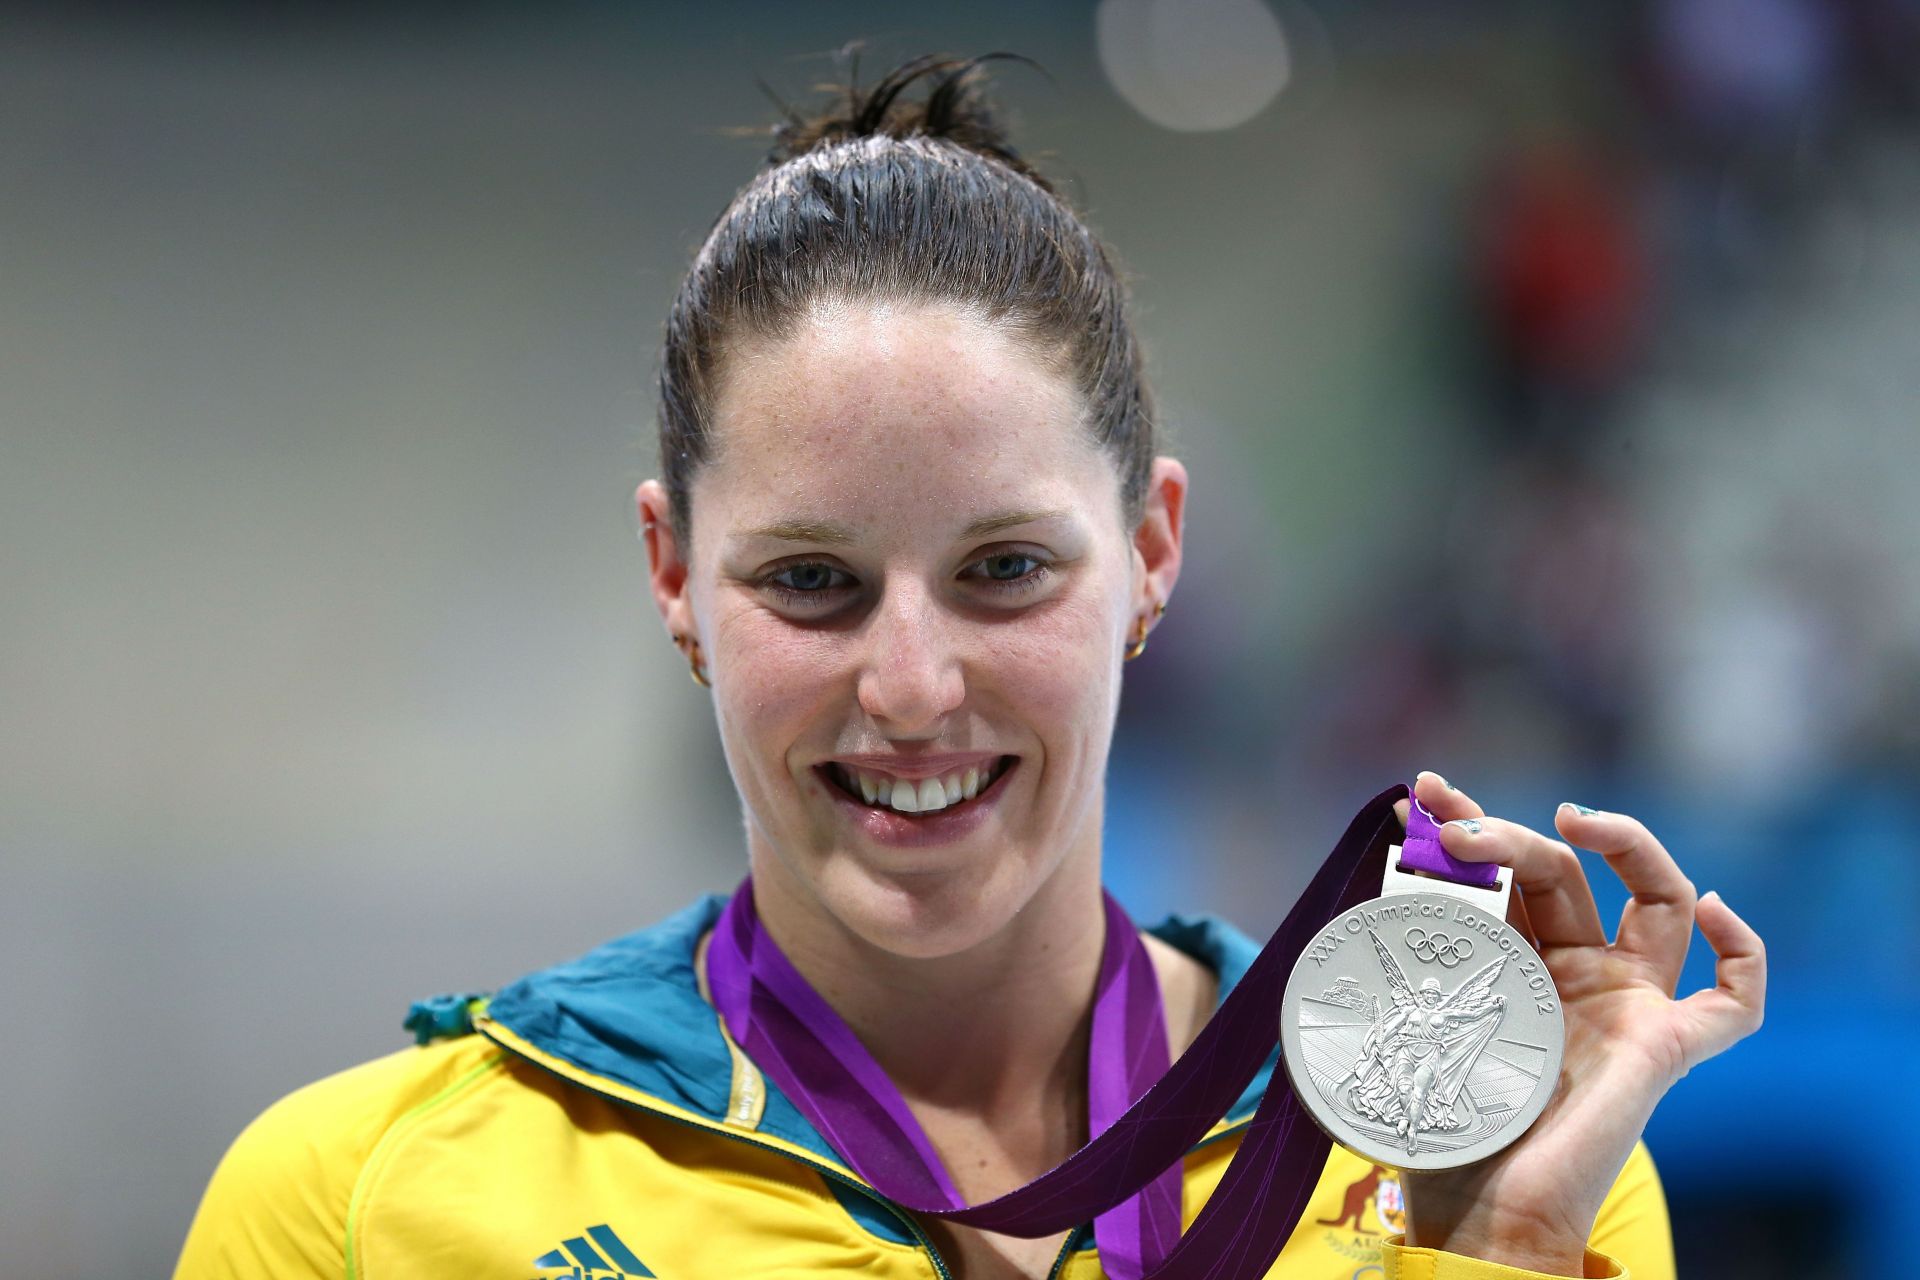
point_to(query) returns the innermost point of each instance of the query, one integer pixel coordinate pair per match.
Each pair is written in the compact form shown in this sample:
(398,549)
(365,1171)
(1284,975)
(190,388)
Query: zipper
(825,1170)
(1066,1251)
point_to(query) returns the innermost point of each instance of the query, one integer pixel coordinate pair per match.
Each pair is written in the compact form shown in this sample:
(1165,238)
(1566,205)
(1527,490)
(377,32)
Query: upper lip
(920,766)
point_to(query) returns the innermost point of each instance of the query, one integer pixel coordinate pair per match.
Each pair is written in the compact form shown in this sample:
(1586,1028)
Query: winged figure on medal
(1417,1054)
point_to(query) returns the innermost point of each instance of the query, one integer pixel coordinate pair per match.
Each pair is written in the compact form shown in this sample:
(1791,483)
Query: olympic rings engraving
(1445,948)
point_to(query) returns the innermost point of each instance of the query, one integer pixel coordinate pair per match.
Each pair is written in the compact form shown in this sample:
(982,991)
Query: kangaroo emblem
(1354,1205)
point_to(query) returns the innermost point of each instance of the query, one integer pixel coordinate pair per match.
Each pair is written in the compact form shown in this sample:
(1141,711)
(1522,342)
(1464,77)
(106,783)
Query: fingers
(1560,904)
(1449,804)
(1657,923)
(1443,800)
(1733,1008)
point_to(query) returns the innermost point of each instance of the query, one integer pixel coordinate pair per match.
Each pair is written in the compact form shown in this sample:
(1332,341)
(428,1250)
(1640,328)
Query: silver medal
(1419,1029)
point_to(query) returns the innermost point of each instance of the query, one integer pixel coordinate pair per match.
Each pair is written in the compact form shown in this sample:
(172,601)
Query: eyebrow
(821,531)
(1007,520)
(803,531)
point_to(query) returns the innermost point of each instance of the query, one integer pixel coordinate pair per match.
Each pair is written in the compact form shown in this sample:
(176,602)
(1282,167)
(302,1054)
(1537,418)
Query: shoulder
(280,1200)
(326,1130)
(350,1109)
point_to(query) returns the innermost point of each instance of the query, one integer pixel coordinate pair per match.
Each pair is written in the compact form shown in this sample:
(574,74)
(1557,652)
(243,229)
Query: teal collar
(631,1011)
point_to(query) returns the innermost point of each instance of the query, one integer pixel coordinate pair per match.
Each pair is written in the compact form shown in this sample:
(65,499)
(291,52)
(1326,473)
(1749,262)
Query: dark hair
(883,197)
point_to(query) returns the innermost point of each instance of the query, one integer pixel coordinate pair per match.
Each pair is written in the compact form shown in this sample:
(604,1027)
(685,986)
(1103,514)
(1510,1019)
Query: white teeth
(928,795)
(906,798)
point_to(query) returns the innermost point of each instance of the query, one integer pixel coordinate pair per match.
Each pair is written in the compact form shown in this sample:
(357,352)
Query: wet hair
(899,198)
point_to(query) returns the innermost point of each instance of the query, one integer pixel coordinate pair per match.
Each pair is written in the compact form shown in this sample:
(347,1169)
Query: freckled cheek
(1057,677)
(770,698)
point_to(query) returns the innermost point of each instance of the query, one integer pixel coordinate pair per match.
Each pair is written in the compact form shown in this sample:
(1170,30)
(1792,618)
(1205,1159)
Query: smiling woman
(909,557)
(910,528)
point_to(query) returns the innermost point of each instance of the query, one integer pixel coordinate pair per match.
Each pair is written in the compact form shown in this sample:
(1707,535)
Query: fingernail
(1470,825)
(1580,809)
(1711,893)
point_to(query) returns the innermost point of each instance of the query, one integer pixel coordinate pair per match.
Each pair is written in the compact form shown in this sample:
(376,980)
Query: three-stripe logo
(598,1254)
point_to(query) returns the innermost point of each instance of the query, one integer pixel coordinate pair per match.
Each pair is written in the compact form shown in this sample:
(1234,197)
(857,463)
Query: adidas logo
(599,1254)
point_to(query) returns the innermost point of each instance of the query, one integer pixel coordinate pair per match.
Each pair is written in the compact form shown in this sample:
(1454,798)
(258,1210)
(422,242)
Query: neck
(996,1031)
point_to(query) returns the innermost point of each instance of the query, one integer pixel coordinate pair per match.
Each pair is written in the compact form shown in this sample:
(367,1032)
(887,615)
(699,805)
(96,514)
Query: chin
(928,914)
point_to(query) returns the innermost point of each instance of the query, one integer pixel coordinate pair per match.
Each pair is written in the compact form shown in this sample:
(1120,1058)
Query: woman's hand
(1628,1040)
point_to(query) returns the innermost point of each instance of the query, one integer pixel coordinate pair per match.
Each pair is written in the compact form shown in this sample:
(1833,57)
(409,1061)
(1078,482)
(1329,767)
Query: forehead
(888,410)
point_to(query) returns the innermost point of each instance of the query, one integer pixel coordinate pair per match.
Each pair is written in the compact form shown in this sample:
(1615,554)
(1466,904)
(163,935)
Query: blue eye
(1007,566)
(1010,572)
(807,578)
(809,586)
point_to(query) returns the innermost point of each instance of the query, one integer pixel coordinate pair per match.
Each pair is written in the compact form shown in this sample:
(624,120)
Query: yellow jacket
(592,1121)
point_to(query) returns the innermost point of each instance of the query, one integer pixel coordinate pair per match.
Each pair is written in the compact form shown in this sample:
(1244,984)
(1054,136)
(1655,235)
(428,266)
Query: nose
(910,677)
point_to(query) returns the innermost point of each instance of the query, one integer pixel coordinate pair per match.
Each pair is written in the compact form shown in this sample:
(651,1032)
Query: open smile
(882,790)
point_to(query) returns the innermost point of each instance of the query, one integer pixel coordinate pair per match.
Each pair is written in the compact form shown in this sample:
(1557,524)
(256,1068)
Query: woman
(910,526)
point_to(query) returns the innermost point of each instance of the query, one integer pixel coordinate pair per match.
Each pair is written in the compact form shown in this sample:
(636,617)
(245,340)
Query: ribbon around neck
(1126,1180)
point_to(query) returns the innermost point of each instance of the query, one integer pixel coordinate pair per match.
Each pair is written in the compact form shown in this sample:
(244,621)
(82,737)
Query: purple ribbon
(1422,851)
(1127,1178)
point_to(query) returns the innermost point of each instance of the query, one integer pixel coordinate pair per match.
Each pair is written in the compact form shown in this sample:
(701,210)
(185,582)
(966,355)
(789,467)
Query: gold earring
(1139,644)
(691,647)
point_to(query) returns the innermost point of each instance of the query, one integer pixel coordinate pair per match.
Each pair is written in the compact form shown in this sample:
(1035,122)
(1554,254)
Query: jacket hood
(630,1011)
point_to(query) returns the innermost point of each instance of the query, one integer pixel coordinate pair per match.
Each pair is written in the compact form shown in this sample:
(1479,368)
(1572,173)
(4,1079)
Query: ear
(1156,542)
(668,570)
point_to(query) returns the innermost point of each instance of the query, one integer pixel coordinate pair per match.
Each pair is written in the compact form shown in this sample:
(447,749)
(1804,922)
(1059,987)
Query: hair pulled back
(883,197)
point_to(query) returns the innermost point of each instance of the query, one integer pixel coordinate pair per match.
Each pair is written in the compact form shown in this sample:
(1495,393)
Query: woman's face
(912,583)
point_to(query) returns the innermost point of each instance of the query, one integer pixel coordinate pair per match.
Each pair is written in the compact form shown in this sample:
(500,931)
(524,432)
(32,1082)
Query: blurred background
(1548,374)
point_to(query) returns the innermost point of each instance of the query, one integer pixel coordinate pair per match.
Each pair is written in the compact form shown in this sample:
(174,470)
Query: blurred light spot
(1193,65)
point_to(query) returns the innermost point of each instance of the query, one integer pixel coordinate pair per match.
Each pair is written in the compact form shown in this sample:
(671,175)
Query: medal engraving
(1421,1031)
